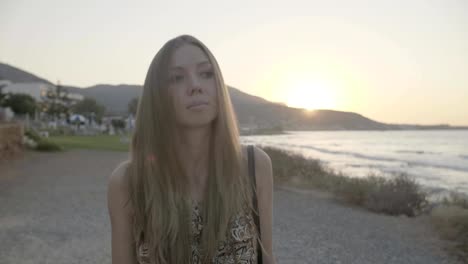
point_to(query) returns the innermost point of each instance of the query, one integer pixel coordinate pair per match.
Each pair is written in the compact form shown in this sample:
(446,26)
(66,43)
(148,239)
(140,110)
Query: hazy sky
(392,61)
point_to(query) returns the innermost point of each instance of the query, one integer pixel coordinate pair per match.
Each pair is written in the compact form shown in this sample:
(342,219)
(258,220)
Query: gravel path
(54,210)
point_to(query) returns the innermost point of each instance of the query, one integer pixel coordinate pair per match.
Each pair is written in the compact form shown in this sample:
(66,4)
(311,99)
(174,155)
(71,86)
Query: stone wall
(11,140)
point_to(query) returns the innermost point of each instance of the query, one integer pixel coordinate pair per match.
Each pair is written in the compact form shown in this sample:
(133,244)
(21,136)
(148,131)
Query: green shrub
(32,135)
(352,190)
(60,131)
(456,199)
(288,165)
(395,196)
(48,146)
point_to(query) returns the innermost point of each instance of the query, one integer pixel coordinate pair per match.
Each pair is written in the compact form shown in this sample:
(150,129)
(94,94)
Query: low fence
(11,140)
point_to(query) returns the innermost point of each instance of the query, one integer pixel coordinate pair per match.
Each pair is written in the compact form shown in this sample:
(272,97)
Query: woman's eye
(177,78)
(207,74)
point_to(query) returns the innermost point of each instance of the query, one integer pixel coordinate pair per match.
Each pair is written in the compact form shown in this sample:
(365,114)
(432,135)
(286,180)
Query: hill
(252,111)
(13,74)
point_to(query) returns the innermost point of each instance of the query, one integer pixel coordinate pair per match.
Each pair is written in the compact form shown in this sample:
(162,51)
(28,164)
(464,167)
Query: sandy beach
(54,210)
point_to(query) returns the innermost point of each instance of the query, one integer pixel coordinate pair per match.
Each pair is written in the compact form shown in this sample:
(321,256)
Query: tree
(118,124)
(133,106)
(20,103)
(88,106)
(2,95)
(57,101)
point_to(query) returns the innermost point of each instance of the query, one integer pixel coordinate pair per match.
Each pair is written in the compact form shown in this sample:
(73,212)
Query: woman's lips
(197,105)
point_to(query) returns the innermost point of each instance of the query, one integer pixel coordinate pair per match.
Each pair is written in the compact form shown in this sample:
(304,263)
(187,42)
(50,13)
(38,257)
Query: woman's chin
(198,123)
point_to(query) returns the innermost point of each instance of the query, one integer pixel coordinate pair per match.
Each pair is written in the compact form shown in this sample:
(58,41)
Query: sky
(391,61)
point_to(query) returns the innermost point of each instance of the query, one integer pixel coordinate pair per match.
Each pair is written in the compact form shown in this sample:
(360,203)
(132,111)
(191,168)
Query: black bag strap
(251,161)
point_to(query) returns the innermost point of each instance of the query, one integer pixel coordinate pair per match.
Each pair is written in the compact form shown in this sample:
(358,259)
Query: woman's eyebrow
(204,62)
(176,68)
(198,64)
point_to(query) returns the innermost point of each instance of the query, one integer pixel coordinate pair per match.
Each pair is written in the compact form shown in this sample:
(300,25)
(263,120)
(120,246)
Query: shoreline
(440,171)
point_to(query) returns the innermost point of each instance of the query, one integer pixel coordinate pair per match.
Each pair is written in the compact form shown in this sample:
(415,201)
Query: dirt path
(53,210)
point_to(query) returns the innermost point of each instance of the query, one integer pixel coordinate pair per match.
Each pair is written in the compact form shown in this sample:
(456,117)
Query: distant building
(4,83)
(38,90)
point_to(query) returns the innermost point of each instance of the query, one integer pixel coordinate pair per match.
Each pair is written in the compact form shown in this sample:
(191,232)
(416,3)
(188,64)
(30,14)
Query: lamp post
(92,119)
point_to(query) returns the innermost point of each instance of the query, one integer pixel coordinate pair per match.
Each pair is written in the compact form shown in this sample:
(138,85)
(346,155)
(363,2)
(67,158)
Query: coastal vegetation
(396,195)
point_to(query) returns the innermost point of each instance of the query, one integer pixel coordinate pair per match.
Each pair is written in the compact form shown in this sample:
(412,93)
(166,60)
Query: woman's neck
(193,148)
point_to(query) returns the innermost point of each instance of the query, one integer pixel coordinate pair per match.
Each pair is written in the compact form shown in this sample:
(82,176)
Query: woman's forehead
(188,56)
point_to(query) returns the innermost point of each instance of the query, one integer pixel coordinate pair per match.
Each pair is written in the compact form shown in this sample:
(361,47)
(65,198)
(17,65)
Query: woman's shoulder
(262,159)
(118,187)
(263,166)
(119,175)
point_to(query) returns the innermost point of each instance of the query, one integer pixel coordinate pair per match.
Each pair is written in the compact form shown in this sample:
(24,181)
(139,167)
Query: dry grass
(397,195)
(451,222)
(394,196)
(450,219)
(456,199)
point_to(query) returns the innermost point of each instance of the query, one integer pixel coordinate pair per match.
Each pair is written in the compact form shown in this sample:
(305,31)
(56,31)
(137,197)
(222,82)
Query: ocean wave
(417,152)
(377,158)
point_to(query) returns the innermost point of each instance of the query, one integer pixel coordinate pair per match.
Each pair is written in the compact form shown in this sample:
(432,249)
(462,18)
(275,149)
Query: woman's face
(192,86)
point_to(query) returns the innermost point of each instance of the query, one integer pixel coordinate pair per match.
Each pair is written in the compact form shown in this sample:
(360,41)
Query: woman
(185,195)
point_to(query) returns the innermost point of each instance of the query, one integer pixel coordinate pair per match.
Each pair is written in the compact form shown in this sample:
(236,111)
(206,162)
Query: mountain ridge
(251,111)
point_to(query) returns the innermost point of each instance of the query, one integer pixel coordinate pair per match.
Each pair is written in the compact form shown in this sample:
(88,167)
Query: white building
(37,90)
(4,82)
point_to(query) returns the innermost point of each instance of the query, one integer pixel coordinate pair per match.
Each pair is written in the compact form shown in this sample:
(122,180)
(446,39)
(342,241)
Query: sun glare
(310,95)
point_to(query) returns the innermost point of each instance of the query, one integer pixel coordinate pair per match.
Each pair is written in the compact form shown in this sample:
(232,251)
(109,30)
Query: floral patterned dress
(241,244)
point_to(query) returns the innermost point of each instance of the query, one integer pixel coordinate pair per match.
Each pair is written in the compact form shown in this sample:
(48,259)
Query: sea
(436,159)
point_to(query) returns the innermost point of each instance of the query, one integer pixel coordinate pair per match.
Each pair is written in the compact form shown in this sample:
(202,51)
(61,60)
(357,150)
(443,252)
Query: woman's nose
(194,84)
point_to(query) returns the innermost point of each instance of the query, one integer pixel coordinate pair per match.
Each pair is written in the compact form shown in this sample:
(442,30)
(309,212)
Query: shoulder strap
(251,161)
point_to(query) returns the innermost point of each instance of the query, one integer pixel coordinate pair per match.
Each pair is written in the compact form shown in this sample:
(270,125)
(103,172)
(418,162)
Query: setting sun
(311,95)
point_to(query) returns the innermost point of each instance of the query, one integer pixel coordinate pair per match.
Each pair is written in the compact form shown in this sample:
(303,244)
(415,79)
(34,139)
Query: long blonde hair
(158,187)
